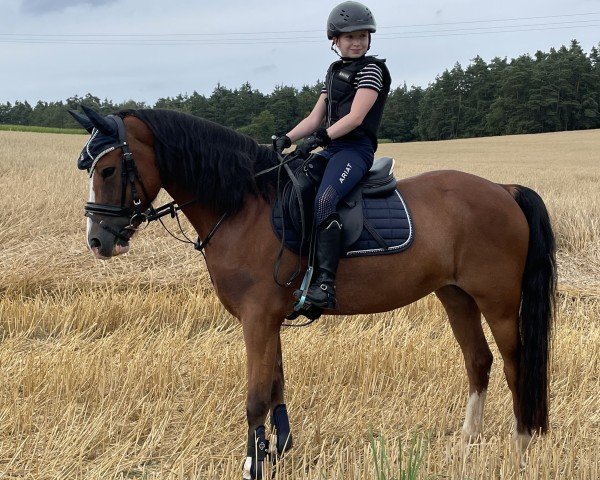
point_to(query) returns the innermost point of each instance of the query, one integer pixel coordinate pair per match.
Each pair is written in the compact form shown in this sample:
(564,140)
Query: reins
(283,162)
(172,208)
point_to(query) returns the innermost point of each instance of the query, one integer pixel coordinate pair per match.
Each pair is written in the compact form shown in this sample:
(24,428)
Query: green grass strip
(409,469)
(35,129)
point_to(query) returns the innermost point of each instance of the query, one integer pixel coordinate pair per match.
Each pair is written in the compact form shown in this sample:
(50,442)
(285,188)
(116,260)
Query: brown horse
(483,248)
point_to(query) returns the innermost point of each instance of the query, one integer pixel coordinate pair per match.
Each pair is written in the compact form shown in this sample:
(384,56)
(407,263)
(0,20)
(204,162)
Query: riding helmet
(349,17)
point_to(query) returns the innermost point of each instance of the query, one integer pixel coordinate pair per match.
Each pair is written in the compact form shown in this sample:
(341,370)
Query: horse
(483,248)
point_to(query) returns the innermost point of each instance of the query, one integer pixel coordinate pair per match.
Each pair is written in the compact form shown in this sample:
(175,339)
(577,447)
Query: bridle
(129,175)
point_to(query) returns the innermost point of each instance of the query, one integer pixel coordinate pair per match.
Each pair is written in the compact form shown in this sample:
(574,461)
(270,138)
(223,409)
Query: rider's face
(353,44)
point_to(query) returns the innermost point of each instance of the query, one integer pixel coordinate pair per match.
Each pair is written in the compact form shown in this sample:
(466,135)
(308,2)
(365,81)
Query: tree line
(549,92)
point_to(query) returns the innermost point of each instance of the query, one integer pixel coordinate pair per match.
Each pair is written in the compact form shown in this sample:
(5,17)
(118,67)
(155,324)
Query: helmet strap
(333,49)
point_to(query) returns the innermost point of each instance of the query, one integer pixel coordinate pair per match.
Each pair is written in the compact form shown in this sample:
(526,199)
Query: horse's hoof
(252,472)
(521,441)
(246,473)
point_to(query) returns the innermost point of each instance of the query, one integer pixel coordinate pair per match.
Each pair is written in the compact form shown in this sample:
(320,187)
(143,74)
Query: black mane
(214,162)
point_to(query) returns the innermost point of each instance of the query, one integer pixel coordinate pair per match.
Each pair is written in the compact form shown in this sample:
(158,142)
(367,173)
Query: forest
(546,92)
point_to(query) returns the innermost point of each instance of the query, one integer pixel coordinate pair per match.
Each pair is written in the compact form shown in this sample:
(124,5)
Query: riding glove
(281,142)
(319,138)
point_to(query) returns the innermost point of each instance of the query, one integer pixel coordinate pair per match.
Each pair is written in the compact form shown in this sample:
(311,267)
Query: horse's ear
(99,121)
(84,121)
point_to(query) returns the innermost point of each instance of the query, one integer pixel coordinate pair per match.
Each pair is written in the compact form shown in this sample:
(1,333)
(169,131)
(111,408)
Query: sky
(144,50)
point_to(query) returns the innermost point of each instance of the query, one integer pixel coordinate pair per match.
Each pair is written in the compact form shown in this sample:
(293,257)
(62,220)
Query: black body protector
(339,83)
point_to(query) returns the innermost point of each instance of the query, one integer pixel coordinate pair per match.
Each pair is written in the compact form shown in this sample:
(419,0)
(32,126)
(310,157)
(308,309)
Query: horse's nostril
(95,243)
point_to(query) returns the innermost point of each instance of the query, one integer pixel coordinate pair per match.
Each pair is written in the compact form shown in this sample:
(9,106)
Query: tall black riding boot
(321,292)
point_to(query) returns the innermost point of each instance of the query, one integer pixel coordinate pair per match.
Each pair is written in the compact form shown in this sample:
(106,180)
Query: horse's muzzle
(107,240)
(104,252)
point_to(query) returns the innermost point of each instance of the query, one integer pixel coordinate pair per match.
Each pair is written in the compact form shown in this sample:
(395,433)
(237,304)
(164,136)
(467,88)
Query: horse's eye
(107,172)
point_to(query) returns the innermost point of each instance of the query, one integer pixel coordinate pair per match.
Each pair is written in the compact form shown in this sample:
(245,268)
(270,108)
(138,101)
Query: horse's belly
(380,284)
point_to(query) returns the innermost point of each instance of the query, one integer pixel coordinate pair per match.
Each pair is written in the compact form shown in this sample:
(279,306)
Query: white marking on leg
(521,441)
(272,450)
(92,198)
(473,425)
(247,466)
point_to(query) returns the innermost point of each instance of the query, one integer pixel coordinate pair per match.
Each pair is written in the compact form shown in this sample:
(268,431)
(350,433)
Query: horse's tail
(537,312)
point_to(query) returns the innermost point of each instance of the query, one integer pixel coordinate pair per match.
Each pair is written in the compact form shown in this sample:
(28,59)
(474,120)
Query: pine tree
(283,104)
(401,115)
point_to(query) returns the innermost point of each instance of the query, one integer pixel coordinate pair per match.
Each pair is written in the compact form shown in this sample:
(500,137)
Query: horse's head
(118,197)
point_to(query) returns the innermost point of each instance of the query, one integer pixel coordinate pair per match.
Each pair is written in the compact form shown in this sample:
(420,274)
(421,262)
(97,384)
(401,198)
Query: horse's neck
(200,216)
(238,229)
(242,253)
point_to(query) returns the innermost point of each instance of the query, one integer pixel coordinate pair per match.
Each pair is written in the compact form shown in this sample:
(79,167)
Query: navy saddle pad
(387,227)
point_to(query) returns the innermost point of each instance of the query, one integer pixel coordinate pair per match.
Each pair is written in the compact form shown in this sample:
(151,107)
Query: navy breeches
(347,164)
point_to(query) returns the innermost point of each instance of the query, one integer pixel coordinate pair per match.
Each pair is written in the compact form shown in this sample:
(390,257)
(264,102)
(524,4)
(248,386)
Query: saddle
(373,210)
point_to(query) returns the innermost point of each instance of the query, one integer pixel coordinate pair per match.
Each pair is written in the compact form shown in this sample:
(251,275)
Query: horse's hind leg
(465,320)
(279,417)
(503,319)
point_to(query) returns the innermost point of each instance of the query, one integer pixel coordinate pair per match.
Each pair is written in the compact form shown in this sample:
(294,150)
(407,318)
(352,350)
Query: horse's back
(455,195)
(446,181)
(476,221)
(465,228)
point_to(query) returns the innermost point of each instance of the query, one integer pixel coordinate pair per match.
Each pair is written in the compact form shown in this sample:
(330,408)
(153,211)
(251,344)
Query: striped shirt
(370,76)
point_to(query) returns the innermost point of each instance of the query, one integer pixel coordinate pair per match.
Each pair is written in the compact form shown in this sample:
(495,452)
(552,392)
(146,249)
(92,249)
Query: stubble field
(132,369)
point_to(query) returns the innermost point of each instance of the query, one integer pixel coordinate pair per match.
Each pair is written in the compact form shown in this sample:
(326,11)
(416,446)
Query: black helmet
(349,17)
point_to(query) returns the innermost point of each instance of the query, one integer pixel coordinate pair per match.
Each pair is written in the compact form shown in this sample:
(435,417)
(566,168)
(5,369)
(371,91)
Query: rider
(351,103)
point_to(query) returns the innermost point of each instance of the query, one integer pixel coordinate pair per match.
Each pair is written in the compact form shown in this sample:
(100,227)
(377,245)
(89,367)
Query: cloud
(41,7)
(264,69)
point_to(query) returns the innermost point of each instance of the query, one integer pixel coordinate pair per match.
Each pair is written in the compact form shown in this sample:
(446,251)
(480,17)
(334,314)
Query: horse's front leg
(261,337)
(282,440)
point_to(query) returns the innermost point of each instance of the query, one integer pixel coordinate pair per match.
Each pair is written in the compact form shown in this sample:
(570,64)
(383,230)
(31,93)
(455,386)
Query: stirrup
(300,294)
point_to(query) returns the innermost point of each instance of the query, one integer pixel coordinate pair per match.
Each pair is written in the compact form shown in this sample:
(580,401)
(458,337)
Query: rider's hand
(281,142)
(319,138)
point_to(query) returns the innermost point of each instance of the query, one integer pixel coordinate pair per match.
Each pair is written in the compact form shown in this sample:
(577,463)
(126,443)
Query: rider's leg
(344,171)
